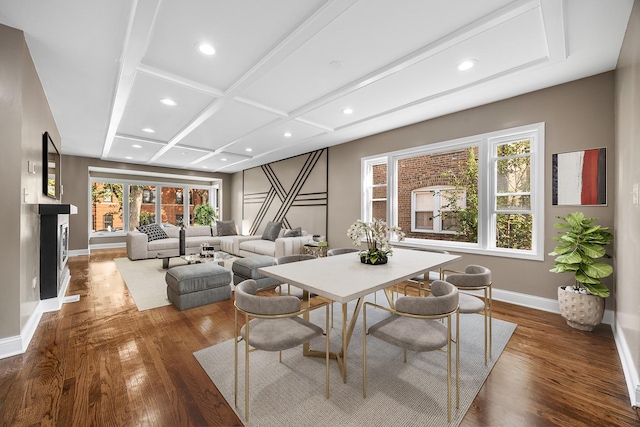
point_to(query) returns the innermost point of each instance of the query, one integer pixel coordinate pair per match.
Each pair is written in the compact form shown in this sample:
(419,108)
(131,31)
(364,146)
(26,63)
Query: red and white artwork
(580,177)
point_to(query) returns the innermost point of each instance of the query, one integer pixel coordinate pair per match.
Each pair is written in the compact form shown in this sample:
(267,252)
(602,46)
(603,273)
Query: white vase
(581,311)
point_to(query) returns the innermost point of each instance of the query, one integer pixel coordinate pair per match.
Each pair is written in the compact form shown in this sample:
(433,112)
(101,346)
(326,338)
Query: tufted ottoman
(247,268)
(197,284)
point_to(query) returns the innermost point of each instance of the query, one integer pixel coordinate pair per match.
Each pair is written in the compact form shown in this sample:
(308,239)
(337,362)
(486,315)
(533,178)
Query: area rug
(145,280)
(291,393)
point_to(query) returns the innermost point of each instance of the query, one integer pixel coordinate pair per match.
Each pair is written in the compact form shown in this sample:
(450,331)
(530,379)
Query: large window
(479,194)
(147,203)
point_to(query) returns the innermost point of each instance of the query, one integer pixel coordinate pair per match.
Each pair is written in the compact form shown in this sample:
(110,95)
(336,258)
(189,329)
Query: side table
(316,250)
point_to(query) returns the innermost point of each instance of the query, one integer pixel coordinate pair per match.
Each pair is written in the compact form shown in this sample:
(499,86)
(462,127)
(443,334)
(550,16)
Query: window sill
(469,248)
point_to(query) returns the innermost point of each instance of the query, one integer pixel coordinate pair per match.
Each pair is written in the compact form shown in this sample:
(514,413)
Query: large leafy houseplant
(204,214)
(582,244)
(376,234)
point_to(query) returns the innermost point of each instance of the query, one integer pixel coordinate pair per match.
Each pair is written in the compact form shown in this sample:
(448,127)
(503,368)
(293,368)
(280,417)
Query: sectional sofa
(143,246)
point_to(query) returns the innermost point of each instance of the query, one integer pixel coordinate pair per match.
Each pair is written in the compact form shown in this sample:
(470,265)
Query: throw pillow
(271,231)
(227,228)
(153,232)
(294,232)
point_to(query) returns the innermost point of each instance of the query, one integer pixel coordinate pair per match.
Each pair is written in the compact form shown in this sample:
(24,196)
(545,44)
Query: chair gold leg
(235,358)
(246,370)
(327,346)
(364,352)
(457,361)
(405,355)
(449,371)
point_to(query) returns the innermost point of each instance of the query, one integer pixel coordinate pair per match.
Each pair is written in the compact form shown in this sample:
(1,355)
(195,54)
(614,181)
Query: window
(142,207)
(433,209)
(106,202)
(107,222)
(481,194)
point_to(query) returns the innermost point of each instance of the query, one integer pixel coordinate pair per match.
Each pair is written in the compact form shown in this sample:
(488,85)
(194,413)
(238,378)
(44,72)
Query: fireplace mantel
(56,209)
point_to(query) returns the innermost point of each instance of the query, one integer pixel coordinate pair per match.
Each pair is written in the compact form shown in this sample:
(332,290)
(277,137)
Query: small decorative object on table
(206,250)
(376,233)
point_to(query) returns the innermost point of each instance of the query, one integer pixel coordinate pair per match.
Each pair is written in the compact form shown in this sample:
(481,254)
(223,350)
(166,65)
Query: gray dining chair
(292,290)
(415,324)
(272,324)
(475,278)
(339,251)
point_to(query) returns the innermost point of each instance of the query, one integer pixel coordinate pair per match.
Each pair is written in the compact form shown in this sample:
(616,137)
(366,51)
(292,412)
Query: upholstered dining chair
(423,280)
(415,325)
(475,278)
(292,290)
(272,324)
(340,251)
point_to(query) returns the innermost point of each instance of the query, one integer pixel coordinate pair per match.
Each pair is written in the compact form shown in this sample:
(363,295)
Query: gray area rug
(145,280)
(291,393)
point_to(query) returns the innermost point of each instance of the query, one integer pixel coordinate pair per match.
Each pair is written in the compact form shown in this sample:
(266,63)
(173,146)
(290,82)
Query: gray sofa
(138,246)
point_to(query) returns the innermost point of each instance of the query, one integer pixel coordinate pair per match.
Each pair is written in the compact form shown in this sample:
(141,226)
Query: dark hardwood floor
(102,362)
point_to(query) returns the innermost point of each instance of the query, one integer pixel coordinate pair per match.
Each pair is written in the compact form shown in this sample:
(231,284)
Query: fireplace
(54,249)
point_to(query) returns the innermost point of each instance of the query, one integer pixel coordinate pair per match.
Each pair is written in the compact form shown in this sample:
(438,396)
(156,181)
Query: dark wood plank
(100,361)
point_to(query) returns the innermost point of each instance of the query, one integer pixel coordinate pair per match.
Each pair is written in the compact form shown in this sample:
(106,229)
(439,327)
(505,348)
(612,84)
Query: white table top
(343,278)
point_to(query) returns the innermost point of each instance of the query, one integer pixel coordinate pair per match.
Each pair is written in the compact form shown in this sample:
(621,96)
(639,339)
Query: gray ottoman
(197,284)
(247,268)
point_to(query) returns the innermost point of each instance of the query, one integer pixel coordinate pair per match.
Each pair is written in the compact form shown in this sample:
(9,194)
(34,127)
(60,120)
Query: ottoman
(247,268)
(197,284)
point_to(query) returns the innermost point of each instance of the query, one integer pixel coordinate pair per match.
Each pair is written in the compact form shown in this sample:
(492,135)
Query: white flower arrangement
(376,234)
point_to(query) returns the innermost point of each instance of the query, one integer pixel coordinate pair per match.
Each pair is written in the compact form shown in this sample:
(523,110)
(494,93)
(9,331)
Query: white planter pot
(581,311)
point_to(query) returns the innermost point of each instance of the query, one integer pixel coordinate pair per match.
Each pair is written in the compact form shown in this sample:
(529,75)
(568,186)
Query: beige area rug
(145,280)
(291,393)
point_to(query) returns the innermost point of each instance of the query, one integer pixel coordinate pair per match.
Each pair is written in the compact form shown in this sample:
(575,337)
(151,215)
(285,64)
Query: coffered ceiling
(285,73)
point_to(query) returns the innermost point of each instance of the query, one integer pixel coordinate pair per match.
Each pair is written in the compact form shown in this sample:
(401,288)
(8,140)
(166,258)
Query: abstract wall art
(580,177)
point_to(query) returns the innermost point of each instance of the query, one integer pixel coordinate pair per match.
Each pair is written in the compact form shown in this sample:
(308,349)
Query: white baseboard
(539,303)
(79,252)
(18,344)
(108,245)
(628,366)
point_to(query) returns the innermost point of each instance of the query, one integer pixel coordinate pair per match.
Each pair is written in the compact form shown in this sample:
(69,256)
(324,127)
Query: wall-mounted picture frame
(580,178)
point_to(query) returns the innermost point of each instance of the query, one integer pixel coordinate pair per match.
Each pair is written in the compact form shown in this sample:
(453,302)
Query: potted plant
(376,234)
(204,215)
(582,244)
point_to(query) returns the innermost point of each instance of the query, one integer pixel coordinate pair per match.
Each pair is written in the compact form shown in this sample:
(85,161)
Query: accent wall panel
(293,191)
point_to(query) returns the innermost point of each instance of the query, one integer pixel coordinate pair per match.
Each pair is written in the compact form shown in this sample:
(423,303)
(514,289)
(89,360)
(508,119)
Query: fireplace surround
(54,249)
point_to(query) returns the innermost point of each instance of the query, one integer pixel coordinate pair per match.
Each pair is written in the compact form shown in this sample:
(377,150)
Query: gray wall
(627,215)
(24,117)
(75,178)
(578,115)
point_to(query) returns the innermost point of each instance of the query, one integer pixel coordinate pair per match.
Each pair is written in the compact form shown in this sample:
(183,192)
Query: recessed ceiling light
(206,49)
(347,111)
(137,146)
(148,130)
(205,167)
(248,149)
(336,65)
(168,101)
(129,157)
(287,134)
(223,159)
(466,65)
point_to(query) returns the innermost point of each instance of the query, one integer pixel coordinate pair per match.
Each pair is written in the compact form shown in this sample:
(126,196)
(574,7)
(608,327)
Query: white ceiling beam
(143,15)
(179,80)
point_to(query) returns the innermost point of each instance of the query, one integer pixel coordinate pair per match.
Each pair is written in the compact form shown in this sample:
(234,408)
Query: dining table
(344,278)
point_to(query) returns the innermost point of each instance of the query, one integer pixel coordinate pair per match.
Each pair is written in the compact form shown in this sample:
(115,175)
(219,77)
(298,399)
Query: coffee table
(219,257)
